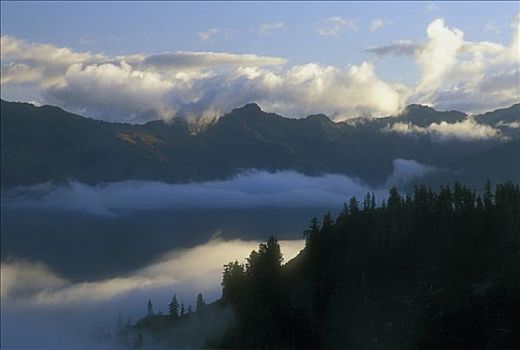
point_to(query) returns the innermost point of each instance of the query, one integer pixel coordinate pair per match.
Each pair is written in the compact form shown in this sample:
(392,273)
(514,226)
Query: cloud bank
(466,130)
(455,74)
(461,74)
(195,269)
(195,84)
(247,190)
(62,315)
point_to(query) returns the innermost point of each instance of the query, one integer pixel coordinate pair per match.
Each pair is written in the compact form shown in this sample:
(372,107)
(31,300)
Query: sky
(134,61)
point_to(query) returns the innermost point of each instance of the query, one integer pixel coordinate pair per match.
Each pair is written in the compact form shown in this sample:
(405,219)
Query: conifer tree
(173,307)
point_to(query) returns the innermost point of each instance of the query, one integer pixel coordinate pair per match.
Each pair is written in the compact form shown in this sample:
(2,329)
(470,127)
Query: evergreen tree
(200,304)
(173,308)
(149,308)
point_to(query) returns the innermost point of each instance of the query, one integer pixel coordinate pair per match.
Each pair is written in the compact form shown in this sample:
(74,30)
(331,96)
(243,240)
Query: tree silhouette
(200,304)
(173,308)
(149,308)
(425,270)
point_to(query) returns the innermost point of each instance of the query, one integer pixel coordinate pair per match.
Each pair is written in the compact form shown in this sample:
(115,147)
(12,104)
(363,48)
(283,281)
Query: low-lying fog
(41,309)
(75,256)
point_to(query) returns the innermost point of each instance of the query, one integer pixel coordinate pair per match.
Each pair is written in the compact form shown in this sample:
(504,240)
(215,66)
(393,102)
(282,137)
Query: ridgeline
(428,270)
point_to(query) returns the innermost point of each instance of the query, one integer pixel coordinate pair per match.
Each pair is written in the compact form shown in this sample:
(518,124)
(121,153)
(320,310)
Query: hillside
(40,144)
(429,270)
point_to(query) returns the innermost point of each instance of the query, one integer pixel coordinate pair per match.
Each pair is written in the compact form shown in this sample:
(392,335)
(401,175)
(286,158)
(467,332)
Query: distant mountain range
(40,144)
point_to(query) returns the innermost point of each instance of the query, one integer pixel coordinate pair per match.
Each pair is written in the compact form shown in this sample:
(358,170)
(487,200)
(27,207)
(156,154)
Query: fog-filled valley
(63,314)
(260,175)
(77,255)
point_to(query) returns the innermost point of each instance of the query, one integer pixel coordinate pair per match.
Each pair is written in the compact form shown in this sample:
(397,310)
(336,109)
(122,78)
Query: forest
(423,270)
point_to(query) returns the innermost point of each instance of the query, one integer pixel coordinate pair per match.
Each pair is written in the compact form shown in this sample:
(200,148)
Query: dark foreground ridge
(429,270)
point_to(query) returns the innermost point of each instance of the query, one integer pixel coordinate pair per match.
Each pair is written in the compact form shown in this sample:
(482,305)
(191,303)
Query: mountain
(40,144)
(423,116)
(429,270)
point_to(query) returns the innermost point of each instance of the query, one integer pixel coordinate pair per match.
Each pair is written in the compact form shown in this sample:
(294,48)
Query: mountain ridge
(46,143)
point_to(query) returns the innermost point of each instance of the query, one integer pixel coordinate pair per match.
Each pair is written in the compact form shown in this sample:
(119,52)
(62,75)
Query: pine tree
(149,308)
(200,304)
(173,307)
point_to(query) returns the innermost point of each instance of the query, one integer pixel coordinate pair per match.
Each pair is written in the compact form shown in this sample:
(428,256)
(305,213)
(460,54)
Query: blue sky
(325,33)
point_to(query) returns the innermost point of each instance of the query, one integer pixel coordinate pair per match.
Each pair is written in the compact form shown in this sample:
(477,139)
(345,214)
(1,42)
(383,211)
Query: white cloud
(23,61)
(116,92)
(437,57)
(333,26)
(378,23)
(455,74)
(406,170)
(459,74)
(270,27)
(466,130)
(246,190)
(511,125)
(198,268)
(199,84)
(470,76)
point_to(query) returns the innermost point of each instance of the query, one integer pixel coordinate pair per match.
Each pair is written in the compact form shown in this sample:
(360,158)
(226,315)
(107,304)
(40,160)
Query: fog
(245,190)
(76,256)
(59,314)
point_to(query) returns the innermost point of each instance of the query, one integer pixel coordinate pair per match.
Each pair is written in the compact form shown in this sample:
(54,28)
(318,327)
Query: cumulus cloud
(437,56)
(466,130)
(112,91)
(479,76)
(197,84)
(23,61)
(296,92)
(459,74)
(455,74)
(333,26)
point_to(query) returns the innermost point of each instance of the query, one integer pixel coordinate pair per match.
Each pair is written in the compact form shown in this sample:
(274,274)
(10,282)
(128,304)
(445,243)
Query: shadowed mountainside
(40,144)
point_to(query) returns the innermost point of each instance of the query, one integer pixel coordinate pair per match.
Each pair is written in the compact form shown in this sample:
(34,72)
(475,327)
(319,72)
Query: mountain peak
(414,107)
(422,115)
(321,118)
(248,108)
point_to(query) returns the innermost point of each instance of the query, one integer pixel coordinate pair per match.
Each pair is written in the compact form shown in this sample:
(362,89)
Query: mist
(75,256)
(60,314)
(250,189)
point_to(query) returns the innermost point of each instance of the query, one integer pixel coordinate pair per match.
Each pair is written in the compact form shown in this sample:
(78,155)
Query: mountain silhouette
(40,144)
